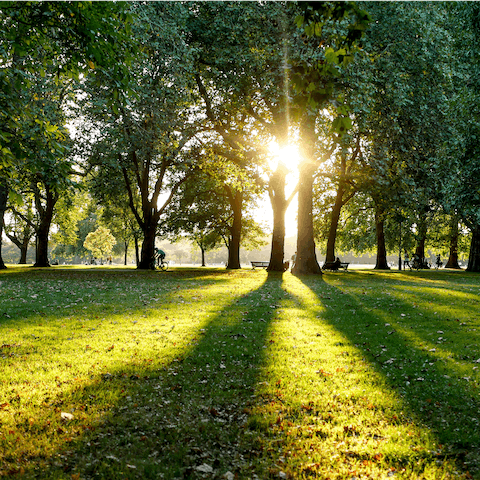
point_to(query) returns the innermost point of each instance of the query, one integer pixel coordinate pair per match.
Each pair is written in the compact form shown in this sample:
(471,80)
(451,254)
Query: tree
(45,165)
(205,211)
(19,231)
(397,96)
(198,213)
(148,129)
(316,74)
(100,242)
(67,37)
(460,164)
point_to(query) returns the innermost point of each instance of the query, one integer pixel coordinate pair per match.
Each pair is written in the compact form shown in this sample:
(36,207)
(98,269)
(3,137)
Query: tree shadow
(181,415)
(436,381)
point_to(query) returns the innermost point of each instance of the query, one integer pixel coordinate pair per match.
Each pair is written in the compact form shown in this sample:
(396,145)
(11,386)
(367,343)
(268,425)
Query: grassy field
(112,373)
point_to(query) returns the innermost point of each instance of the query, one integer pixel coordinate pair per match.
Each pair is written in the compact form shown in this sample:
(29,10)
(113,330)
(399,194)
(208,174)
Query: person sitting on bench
(336,264)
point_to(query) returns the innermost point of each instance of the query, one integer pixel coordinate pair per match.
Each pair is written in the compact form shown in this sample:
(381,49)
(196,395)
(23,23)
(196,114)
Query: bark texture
(148,246)
(306,262)
(474,255)
(279,206)
(332,233)
(236,201)
(45,211)
(452,261)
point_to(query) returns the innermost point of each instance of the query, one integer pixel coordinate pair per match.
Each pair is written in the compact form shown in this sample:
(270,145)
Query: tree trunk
(23,251)
(422,239)
(43,229)
(3,207)
(306,261)
(148,246)
(452,261)
(21,244)
(332,233)
(203,256)
(235,231)
(474,255)
(279,206)
(137,252)
(126,253)
(382,263)
(41,254)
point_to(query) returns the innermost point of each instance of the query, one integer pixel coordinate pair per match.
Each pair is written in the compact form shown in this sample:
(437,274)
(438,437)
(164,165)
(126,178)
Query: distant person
(406,261)
(336,264)
(438,262)
(294,259)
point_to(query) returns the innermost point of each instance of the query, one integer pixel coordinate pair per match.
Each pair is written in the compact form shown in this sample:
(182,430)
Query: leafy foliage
(100,242)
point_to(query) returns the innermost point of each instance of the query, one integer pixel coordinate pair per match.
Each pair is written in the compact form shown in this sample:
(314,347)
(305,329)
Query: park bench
(259,264)
(333,266)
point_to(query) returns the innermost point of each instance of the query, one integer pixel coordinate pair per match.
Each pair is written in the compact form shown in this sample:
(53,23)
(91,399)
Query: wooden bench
(260,264)
(332,266)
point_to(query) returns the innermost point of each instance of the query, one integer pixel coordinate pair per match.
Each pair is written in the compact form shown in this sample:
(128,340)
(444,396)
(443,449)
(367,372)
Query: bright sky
(265,213)
(290,157)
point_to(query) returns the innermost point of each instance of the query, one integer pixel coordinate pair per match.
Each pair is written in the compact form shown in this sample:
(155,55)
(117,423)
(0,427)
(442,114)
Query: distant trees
(100,242)
(45,46)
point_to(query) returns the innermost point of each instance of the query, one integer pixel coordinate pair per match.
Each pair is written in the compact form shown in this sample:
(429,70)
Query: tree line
(161,116)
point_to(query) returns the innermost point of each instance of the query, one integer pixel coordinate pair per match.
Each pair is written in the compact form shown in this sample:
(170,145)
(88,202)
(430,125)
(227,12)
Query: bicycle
(159,261)
(416,264)
(162,263)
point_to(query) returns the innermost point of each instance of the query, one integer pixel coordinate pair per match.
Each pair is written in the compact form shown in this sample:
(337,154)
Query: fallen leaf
(204,468)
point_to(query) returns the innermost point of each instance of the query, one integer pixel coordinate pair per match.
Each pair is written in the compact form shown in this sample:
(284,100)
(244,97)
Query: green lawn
(113,373)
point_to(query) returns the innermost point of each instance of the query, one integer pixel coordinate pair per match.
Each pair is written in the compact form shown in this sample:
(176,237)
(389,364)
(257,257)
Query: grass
(115,373)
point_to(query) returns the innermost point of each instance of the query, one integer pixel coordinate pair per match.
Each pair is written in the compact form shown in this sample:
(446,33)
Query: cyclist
(160,253)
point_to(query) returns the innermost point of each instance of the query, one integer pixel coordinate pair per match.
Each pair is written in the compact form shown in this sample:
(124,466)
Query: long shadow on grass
(184,420)
(428,382)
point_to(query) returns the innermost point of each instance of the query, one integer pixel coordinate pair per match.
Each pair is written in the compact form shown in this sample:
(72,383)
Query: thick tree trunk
(474,255)
(452,261)
(382,263)
(41,256)
(306,261)
(3,207)
(279,206)
(43,230)
(148,247)
(235,231)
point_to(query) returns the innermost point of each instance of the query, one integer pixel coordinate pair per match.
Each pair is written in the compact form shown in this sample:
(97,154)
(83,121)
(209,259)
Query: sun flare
(288,156)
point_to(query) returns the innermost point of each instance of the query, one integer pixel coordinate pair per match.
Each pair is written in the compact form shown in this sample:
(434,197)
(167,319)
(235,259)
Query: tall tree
(148,127)
(317,74)
(461,159)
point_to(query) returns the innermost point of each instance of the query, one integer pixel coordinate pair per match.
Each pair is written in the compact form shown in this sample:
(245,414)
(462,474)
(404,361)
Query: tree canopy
(166,116)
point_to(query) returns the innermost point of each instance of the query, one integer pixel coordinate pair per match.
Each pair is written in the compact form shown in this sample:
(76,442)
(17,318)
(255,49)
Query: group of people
(418,262)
